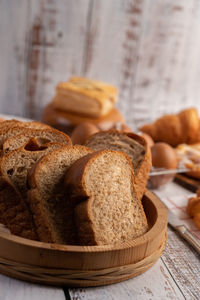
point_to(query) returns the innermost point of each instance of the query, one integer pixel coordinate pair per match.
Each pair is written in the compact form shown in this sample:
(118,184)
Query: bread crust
(13,203)
(142,174)
(45,228)
(44,136)
(75,181)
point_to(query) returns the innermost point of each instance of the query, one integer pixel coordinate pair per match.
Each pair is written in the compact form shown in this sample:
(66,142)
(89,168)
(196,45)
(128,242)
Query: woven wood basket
(82,266)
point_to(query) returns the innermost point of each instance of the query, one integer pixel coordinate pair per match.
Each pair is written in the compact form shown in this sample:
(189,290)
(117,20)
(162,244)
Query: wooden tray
(83,266)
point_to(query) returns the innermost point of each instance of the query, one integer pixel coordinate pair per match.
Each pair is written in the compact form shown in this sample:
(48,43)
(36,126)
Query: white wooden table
(176,275)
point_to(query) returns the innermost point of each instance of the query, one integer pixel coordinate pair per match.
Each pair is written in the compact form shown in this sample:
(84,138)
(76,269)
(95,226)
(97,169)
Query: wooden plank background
(148,49)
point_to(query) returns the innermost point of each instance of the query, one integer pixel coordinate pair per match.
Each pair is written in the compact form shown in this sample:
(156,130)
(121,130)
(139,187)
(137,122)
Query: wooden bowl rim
(160,224)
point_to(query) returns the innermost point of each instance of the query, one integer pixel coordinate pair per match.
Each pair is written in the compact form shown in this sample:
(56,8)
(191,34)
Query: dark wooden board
(187,182)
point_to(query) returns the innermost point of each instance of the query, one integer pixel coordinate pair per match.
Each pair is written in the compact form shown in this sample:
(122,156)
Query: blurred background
(149,49)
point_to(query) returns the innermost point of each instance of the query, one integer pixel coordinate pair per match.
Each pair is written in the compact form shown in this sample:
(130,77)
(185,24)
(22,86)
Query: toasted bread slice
(107,210)
(14,207)
(133,145)
(19,136)
(9,128)
(53,213)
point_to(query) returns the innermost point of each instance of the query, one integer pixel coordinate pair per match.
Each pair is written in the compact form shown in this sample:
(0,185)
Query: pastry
(86,97)
(175,129)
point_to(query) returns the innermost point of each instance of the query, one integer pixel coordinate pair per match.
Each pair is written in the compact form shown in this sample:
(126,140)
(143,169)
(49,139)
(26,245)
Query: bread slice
(133,145)
(13,127)
(53,213)
(19,136)
(107,210)
(14,207)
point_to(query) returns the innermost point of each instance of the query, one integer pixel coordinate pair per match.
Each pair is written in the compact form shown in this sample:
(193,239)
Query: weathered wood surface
(18,290)
(148,49)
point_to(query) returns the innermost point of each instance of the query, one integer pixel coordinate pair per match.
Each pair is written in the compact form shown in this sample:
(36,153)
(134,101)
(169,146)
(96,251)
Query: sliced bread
(19,136)
(12,127)
(53,213)
(107,210)
(133,145)
(14,207)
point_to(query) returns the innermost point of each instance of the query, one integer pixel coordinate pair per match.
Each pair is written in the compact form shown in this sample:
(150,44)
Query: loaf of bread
(175,129)
(107,210)
(49,200)
(85,97)
(14,206)
(133,145)
(55,192)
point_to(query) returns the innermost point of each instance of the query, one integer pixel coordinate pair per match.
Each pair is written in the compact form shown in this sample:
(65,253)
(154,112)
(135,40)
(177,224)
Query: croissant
(175,129)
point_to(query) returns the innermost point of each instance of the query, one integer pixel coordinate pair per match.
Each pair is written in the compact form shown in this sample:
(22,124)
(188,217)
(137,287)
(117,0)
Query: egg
(163,156)
(82,132)
(148,139)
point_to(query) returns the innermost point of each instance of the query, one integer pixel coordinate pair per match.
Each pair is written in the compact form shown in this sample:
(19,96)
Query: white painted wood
(156,284)
(112,50)
(14,289)
(13,23)
(55,48)
(148,49)
(168,69)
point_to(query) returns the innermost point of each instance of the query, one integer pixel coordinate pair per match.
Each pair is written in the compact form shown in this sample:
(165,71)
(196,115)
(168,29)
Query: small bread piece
(133,145)
(107,208)
(19,136)
(85,97)
(175,129)
(14,207)
(53,213)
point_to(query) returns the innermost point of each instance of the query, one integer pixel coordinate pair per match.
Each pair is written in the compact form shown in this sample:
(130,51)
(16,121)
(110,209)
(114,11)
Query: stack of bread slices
(55,192)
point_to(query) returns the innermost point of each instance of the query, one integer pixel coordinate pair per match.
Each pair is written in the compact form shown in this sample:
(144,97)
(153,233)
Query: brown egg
(148,139)
(82,132)
(163,156)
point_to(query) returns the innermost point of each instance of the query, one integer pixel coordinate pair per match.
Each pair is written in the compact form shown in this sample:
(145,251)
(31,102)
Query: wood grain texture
(149,50)
(82,266)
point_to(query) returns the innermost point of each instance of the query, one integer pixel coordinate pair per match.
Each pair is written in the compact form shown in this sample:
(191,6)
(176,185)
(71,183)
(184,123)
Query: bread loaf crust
(142,173)
(75,181)
(17,137)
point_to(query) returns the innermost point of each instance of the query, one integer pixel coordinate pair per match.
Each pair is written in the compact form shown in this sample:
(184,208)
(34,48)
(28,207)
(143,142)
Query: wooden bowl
(81,266)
